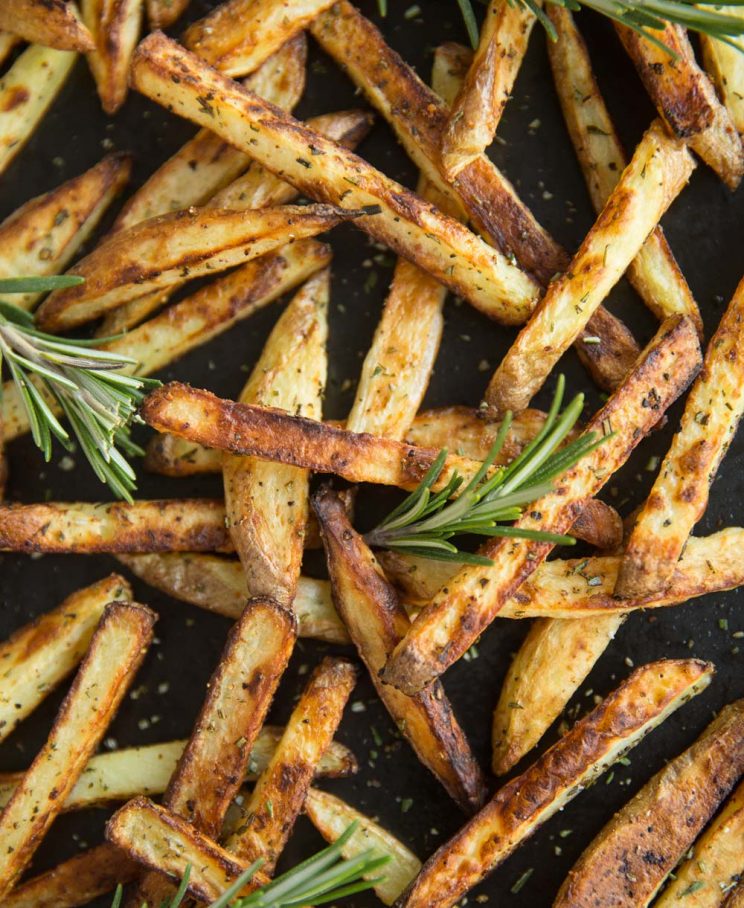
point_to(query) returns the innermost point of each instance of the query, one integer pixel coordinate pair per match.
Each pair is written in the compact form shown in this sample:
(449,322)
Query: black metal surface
(704,228)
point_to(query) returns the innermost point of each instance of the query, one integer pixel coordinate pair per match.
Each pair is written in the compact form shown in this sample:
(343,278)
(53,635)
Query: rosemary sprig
(424,522)
(91,387)
(323,878)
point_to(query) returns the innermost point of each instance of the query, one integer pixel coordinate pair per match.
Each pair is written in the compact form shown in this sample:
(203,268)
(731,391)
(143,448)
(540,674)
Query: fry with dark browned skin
(52,23)
(163,13)
(725,65)
(686,99)
(735,898)
(77,881)
(680,494)
(213,766)
(657,173)
(439,636)
(641,703)
(630,858)
(115,26)
(114,655)
(477,110)
(421,233)
(39,656)
(654,272)
(376,621)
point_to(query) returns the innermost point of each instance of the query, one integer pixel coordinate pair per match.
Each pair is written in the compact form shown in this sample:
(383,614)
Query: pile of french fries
(224,206)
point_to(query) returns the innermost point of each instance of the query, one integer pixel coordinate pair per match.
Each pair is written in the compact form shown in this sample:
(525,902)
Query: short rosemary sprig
(325,877)
(424,522)
(91,387)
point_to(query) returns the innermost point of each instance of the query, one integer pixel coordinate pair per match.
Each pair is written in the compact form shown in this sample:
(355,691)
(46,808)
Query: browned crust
(600,525)
(376,621)
(631,857)
(163,13)
(52,23)
(735,898)
(115,28)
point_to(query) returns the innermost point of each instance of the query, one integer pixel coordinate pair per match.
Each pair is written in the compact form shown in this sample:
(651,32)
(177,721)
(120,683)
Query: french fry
(641,703)
(735,898)
(477,110)
(199,318)
(658,171)
(680,493)
(115,26)
(376,621)
(238,35)
(27,90)
(409,226)
(642,843)
(52,23)
(163,13)
(715,865)
(725,66)
(654,272)
(43,236)
(159,252)
(76,881)
(39,656)
(439,636)
(331,817)
(266,504)
(270,812)
(114,655)
(686,99)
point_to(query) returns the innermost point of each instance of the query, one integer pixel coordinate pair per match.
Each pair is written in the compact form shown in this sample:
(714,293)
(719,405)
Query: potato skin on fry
(115,28)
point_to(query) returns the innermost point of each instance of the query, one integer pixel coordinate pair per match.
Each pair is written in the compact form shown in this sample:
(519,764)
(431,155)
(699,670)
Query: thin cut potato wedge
(43,236)
(270,812)
(158,253)
(115,653)
(680,493)
(198,318)
(715,865)
(595,742)
(324,170)
(163,13)
(214,763)
(115,26)
(477,110)
(76,881)
(238,35)
(39,656)
(266,504)
(725,65)
(331,817)
(686,99)
(658,171)
(631,857)
(439,636)
(27,90)
(548,668)
(376,621)
(654,272)
(52,23)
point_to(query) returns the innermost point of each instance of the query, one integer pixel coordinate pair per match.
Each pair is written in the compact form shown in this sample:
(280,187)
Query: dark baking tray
(704,228)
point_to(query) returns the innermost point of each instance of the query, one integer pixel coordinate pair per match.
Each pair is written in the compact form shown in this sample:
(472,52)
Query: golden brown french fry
(27,90)
(75,882)
(725,66)
(40,655)
(641,703)
(715,864)
(686,99)
(199,318)
(269,815)
(115,26)
(114,655)
(239,694)
(155,254)
(658,171)
(439,636)
(376,621)
(680,493)
(477,110)
(266,504)
(238,35)
(654,272)
(163,13)
(52,23)
(43,236)
(332,817)
(631,857)
(433,241)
